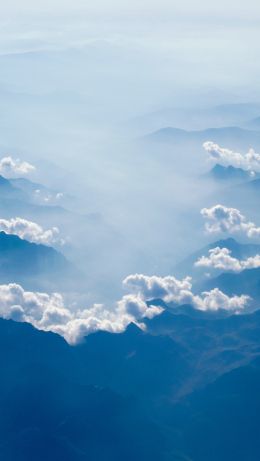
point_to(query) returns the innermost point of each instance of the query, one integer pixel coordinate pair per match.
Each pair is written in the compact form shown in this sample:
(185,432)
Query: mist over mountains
(148,371)
(129,231)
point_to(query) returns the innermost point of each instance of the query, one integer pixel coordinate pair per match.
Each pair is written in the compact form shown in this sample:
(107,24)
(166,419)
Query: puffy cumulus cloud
(215,299)
(48,313)
(15,167)
(30,231)
(248,162)
(221,259)
(221,219)
(170,289)
(136,307)
(167,288)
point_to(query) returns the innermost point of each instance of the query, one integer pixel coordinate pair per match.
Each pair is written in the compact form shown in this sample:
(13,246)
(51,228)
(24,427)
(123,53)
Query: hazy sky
(117,7)
(141,54)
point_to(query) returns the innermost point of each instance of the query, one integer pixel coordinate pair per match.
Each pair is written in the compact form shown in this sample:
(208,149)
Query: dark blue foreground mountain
(56,403)
(187,388)
(222,420)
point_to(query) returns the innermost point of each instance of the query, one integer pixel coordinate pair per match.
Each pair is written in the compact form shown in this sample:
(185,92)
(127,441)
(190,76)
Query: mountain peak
(223,173)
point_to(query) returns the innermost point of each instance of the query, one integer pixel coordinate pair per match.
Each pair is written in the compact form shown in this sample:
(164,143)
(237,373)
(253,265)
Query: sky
(129,59)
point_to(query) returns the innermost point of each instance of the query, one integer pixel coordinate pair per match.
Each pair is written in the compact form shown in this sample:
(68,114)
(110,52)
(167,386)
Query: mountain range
(233,136)
(229,173)
(31,264)
(162,394)
(246,282)
(238,251)
(243,115)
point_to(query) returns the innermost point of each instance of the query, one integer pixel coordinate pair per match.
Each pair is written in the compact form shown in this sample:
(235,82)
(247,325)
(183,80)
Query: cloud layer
(48,312)
(248,162)
(30,231)
(10,167)
(169,289)
(221,219)
(221,259)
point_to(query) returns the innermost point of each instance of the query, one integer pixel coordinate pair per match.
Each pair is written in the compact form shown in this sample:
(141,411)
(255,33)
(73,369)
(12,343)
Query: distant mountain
(21,196)
(27,185)
(244,195)
(229,173)
(40,194)
(238,250)
(245,282)
(196,119)
(18,198)
(252,186)
(253,124)
(238,137)
(5,184)
(8,190)
(25,262)
(18,205)
(236,111)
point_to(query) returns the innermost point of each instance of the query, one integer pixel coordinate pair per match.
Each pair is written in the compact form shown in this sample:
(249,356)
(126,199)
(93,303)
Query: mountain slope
(245,282)
(153,395)
(253,124)
(222,421)
(238,250)
(224,136)
(25,262)
(46,415)
(8,190)
(221,173)
(41,195)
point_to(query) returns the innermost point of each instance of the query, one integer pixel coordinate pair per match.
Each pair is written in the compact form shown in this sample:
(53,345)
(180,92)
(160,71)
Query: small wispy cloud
(10,167)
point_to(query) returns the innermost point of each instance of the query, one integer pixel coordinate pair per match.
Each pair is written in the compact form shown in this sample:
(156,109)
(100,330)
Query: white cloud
(221,219)
(226,157)
(30,231)
(10,167)
(221,259)
(215,299)
(169,289)
(42,196)
(48,313)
